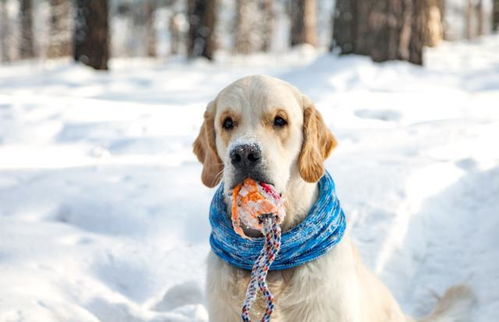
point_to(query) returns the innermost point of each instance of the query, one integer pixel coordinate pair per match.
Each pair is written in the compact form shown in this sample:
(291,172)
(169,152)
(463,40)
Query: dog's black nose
(245,156)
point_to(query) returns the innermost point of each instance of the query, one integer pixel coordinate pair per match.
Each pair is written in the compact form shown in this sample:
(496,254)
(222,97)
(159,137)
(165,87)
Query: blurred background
(103,216)
(93,32)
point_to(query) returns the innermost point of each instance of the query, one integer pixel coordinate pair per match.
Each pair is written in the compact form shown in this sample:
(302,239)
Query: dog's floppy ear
(318,142)
(205,149)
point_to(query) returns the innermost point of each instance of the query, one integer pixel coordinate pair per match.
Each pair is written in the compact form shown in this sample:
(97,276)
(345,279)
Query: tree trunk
(362,33)
(150,8)
(383,32)
(495,15)
(91,37)
(479,18)
(419,30)
(468,29)
(442,6)
(254,25)
(268,17)
(175,34)
(303,23)
(345,27)
(434,23)
(202,23)
(26,48)
(244,34)
(60,29)
(382,29)
(4,32)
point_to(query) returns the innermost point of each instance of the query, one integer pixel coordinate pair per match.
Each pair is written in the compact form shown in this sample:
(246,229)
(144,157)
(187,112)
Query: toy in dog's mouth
(250,201)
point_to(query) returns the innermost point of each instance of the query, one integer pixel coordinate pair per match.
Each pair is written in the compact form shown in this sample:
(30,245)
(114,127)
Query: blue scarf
(320,231)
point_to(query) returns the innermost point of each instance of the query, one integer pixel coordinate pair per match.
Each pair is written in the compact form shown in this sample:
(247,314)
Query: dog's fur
(335,287)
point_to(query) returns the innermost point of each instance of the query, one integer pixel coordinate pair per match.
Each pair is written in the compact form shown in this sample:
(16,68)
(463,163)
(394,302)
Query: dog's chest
(278,282)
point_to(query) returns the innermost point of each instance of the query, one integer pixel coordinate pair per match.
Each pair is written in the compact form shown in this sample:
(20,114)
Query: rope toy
(260,207)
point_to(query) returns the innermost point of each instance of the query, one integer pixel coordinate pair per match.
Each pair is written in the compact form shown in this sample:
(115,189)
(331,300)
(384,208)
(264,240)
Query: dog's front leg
(220,312)
(326,289)
(225,287)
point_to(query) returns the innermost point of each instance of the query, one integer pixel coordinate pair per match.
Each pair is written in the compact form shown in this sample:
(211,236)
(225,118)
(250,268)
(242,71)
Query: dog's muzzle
(247,162)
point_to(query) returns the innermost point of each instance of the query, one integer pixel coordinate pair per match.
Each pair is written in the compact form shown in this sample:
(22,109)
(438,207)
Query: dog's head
(263,128)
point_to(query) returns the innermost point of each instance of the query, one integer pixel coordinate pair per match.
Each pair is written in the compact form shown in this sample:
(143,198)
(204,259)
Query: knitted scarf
(320,231)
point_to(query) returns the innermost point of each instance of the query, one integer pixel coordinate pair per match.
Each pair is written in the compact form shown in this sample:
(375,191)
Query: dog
(266,129)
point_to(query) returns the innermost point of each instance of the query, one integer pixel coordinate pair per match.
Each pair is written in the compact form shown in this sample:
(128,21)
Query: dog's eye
(228,123)
(279,122)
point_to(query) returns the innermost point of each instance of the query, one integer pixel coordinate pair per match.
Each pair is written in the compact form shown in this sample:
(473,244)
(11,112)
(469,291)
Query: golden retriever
(283,140)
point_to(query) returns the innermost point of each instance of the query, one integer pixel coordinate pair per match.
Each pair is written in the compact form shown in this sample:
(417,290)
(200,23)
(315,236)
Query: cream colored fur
(336,287)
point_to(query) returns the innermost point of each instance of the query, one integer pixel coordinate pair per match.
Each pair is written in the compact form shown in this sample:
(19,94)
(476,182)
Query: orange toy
(252,199)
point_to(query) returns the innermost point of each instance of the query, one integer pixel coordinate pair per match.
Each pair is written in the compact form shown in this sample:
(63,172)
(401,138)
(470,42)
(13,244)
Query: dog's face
(265,129)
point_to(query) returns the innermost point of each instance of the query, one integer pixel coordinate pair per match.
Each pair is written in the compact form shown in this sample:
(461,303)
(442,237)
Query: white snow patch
(103,216)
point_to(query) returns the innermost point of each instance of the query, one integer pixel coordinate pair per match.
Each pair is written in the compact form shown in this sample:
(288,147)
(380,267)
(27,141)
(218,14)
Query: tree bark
(202,23)
(363,34)
(443,18)
(479,17)
(303,23)
(245,25)
(382,29)
(418,32)
(175,34)
(495,15)
(345,27)
(4,32)
(60,30)
(26,48)
(254,26)
(268,17)
(383,32)
(91,37)
(150,9)
(468,30)
(434,23)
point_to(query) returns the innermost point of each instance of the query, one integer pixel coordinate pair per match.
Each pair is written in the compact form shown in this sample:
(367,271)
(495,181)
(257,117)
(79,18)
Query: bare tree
(303,22)
(434,22)
(468,24)
(26,47)
(443,18)
(245,37)
(60,29)
(479,17)
(385,37)
(175,33)
(382,29)
(202,23)
(91,35)
(345,27)
(495,15)
(267,24)
(150,9)
(474,24)
(4,32)
(419,30)
(254,26)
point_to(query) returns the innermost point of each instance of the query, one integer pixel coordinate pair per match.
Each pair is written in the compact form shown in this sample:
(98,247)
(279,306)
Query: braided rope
(272,233)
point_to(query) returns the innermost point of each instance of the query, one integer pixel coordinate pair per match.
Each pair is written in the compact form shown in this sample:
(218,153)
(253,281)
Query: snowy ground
(103,216)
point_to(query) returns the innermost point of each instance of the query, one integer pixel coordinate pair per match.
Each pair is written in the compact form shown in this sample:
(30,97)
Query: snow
(103,215)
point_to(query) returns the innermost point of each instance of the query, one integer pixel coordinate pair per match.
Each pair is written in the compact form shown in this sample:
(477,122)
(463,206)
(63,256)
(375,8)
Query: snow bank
(103,216)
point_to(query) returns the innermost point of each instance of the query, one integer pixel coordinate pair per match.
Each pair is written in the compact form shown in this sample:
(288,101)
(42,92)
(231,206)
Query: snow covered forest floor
(103,215)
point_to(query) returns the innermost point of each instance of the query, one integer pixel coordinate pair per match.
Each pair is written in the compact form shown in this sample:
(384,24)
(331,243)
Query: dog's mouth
(256,175)
(252,200)
(261,182)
